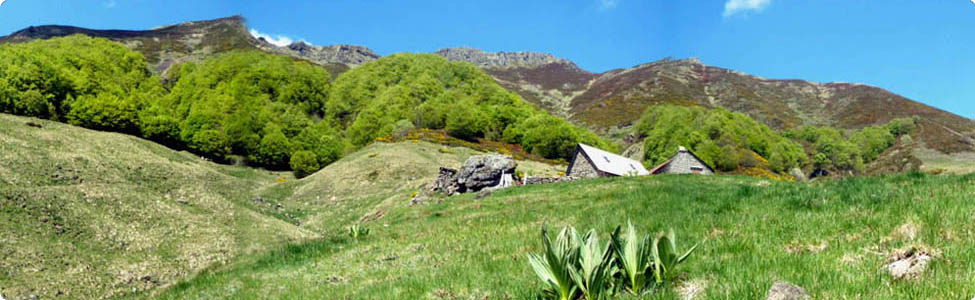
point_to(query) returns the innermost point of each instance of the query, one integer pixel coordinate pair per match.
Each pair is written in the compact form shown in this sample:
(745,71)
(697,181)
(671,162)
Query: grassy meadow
(87,214)
(830,237)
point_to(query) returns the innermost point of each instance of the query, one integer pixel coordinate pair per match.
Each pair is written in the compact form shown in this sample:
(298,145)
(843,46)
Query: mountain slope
(195,41)
(617,98)
(87,214)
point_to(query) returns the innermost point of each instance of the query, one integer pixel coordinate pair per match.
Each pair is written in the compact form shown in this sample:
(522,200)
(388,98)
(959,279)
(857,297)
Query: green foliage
(851,150)
(719,137)
(554,266)
(551,137)
(304,163)
(571,265)
(594,275)
(434,93)
(263,107)
(275,149)
(85,81)
(633,253)
(902,126)
(322,140)
(257,101)
(831,149)
(356,232)
(666,256)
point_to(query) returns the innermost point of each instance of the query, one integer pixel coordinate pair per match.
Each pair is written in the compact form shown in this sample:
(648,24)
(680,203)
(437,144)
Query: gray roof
(612,163)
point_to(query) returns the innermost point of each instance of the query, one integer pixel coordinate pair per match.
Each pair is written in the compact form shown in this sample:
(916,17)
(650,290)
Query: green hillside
(87,214)
(271,111)
(833,238)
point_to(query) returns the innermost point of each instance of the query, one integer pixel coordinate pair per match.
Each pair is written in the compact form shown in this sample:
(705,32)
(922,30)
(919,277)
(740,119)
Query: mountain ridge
(606,102)
(170,45)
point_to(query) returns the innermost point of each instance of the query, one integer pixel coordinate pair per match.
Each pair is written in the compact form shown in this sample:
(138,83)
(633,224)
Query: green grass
(87,214)
(829,237)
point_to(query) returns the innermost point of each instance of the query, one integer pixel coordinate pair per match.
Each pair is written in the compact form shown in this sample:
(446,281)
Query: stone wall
(682,164)
(547,180)
(581,167)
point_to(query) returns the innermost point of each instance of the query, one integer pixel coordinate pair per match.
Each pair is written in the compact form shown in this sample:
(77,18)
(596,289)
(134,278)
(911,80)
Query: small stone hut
(589,162)
(684,162)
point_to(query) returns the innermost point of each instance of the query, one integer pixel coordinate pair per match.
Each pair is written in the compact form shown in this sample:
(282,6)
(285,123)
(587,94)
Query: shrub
(275,149)
(304,163)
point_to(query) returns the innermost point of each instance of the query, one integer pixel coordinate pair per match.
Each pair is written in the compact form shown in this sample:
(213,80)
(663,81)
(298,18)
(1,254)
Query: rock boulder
(478,173)
(786,291)
(484,171)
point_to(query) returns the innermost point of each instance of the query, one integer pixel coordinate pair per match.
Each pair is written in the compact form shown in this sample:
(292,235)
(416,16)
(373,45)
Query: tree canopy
(428,91)
(723,139)
(83,81)
(270,110)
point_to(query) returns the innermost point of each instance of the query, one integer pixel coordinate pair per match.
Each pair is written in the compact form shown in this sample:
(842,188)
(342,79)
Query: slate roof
(612,163)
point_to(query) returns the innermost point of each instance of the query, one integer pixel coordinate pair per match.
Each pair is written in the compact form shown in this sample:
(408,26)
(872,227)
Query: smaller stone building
(684,162)
(589,161)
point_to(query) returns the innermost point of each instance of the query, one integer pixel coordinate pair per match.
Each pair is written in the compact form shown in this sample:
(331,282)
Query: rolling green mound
(86,214)
(368,183)
(832,237)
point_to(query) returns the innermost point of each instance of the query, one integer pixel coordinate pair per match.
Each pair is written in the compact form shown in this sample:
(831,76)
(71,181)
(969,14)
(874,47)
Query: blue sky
(922,49)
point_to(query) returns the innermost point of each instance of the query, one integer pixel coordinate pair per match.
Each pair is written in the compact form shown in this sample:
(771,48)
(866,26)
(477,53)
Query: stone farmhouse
(589,162)
(684,162)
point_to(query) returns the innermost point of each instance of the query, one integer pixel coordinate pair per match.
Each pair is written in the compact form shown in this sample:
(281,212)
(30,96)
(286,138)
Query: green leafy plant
(596,269)
(556,263)
(633,255)
(572,267)
(665,255)
(356,232)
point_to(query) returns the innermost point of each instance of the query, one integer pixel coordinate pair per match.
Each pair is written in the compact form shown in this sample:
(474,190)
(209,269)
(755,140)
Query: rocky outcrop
(484,171)
(446,182)
(478,173)
(194,41)
(341,54)
(500,59)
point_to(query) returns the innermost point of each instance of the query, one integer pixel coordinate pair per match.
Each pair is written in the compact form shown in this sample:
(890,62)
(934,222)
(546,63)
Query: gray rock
(343,54)
(797,174)
(446,181)
(909,264)
(500,59)
(484,171)
(786,291)
(478,173)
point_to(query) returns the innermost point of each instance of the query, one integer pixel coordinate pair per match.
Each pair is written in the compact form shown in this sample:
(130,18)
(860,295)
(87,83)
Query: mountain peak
(500,59)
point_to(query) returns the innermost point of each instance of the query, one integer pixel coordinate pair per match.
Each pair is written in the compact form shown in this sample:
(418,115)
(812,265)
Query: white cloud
(277,40)
(733,7)
(608,4)
(110,4)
